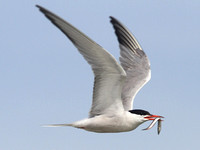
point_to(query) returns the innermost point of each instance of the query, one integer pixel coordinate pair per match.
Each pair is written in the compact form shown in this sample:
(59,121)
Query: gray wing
(109,75)
(134,61)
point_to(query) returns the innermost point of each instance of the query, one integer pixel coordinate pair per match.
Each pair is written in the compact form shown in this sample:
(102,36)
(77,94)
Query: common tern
(115,85)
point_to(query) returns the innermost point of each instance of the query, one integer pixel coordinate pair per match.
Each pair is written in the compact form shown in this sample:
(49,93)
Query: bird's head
(144,115)
(140,116)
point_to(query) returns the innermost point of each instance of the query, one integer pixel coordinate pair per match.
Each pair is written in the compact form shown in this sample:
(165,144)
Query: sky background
(44,80)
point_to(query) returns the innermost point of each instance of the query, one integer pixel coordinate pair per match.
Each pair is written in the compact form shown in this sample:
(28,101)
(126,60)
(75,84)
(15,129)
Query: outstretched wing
(134,61)
(109,75)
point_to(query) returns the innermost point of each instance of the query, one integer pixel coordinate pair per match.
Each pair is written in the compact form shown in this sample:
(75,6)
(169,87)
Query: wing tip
(39,7)
(113,20)
(43,10)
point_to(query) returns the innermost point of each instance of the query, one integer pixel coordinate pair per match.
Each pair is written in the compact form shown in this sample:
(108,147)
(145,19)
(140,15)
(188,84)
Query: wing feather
(109,75)
(134,61)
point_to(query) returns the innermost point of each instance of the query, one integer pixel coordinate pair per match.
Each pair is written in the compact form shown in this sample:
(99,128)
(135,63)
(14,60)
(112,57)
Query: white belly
(107,124)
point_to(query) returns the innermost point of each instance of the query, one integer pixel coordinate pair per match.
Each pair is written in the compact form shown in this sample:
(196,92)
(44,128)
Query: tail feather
(57,125)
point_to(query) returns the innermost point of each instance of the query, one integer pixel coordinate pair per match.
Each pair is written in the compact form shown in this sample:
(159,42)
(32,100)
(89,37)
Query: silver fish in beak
(159,126)
(153,123)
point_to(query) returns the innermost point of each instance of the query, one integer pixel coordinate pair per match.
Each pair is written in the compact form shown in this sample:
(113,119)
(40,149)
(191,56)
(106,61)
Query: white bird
(115,85)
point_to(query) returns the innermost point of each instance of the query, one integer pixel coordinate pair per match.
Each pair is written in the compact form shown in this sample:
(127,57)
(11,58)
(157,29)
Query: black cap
(139,112)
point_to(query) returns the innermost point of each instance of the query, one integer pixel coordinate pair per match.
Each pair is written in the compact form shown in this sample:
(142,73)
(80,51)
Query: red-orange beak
(153,117)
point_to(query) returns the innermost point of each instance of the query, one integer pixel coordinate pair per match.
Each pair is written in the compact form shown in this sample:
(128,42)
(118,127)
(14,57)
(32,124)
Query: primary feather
(134,61)
(109,75)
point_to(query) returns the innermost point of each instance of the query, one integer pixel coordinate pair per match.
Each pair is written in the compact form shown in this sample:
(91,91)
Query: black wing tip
(117,26)
(113,20)
(47,13)
(38,6)
(115,23)
(42,9)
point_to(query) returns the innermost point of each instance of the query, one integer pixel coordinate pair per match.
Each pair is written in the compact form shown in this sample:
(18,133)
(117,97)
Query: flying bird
(115,84)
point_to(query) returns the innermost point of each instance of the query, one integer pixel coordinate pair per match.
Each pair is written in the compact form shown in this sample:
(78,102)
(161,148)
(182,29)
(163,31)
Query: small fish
(159,126)
(152,124)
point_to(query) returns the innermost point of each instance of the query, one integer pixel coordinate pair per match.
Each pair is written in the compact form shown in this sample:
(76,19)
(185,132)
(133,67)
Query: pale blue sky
(43,78)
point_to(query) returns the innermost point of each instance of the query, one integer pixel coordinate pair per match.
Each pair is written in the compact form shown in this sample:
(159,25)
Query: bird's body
(122,122)
(115,84)
(106,123)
